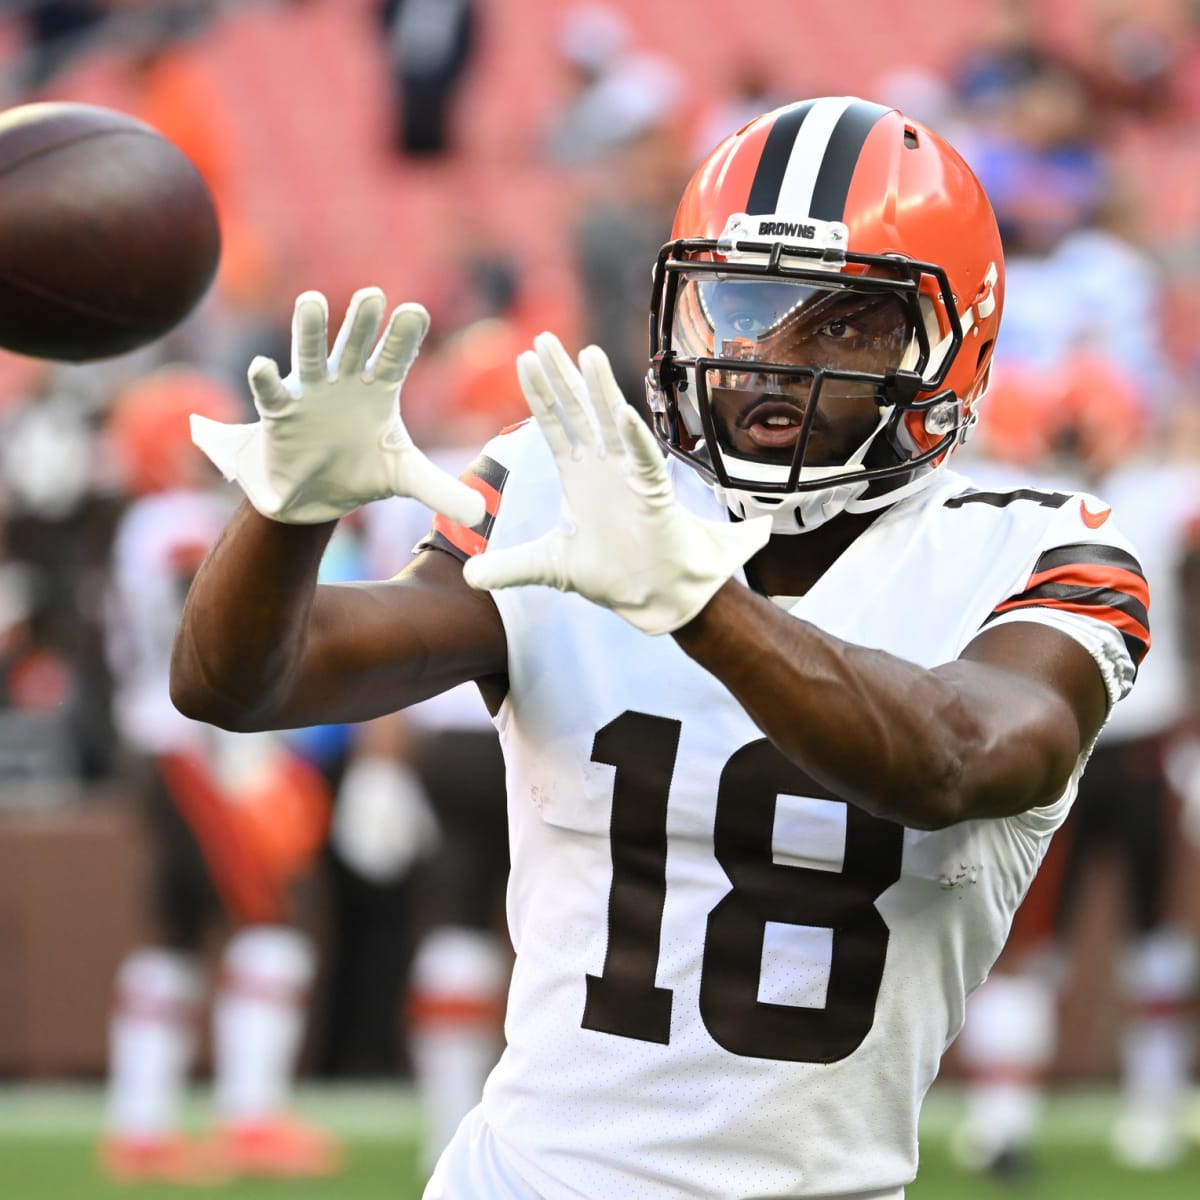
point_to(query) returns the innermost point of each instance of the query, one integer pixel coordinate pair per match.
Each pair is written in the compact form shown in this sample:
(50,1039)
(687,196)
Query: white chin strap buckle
(798,513)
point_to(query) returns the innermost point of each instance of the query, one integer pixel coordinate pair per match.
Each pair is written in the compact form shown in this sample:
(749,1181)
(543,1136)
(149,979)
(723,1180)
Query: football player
(1123,835)
(789,710)
(231,820)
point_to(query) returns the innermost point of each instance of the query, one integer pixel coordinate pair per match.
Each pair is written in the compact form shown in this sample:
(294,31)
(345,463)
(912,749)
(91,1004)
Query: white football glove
(330,438)
(382,821)
(623,540)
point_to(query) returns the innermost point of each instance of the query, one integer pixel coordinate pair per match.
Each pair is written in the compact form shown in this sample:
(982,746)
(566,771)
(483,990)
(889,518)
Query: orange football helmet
(150,434)
(805,227)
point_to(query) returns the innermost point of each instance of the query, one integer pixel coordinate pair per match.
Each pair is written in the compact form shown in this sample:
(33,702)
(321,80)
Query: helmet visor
(858,332)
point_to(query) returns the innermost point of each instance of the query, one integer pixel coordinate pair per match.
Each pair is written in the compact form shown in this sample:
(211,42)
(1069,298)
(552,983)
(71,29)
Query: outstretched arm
(260,644)
(997,732)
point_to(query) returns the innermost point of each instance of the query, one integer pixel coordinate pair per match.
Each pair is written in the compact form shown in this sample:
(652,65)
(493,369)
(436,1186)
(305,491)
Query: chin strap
(806,511)
(887,499)
(801,512)
(797,513)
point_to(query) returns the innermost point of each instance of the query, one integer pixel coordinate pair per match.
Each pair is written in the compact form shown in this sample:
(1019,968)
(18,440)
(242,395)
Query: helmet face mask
(806,363)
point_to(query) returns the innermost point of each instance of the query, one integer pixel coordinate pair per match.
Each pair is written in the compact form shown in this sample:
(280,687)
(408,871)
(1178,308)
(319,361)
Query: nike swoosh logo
(1093,520)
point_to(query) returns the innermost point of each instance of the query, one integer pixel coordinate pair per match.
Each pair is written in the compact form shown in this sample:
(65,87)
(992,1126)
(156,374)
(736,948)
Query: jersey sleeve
(487,476)
(1093,589)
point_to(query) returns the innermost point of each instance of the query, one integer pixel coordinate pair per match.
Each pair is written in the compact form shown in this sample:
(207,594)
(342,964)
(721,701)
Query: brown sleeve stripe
(1087,552)
(1121,589)
(488,478)
(1135,636)
(1094,581)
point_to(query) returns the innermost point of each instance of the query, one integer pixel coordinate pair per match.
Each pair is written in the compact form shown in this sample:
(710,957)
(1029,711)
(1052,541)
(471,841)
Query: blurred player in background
(448,749)
(233,820)
(1084,422)
(443,752)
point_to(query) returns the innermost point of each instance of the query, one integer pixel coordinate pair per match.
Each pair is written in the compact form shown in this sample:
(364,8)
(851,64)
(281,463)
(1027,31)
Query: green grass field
(47,1133)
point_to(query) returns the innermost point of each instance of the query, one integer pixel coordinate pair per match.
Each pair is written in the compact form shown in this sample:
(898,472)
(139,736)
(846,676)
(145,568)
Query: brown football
(108,233)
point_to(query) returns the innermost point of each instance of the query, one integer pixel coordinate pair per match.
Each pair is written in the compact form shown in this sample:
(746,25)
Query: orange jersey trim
(1091,580)
(1094,576)
(1114,616)
(487,477)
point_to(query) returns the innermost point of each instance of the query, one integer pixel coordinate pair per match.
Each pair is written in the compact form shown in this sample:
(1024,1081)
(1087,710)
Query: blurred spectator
(926,95)
(623,218)
(463,388)
(616,93)
(1009,52)
(55,32)
(1095,294)
(592,38)
(1133,64)
(40,747)
(752,92)
(172,87)
(58,515)
(1082,280)
(1039,159)
(431,43)
(483,282)
(1120,292)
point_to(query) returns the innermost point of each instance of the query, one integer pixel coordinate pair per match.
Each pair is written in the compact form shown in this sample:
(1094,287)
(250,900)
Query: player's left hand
(623,540)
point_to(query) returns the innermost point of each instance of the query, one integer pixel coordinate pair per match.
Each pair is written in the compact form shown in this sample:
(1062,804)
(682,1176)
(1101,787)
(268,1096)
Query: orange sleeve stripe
(1088,575)
(466,541)
(1119,620)
(487,477)
(491,497)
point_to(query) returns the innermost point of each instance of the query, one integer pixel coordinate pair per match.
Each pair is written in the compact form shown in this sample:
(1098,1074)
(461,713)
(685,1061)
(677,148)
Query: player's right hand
(623,540)
(330,437)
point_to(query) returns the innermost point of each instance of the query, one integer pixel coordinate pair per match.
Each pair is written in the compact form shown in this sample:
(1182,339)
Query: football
(108,233)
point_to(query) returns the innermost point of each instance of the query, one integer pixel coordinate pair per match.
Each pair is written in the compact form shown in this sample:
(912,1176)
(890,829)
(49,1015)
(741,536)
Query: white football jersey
(728,982)
(158,544)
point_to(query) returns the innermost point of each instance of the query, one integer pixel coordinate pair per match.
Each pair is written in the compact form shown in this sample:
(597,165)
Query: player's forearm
(243,634)
(882,733)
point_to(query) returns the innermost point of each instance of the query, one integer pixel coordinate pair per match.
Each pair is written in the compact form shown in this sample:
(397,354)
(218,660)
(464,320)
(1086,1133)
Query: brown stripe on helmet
(777,152)
(841,159)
